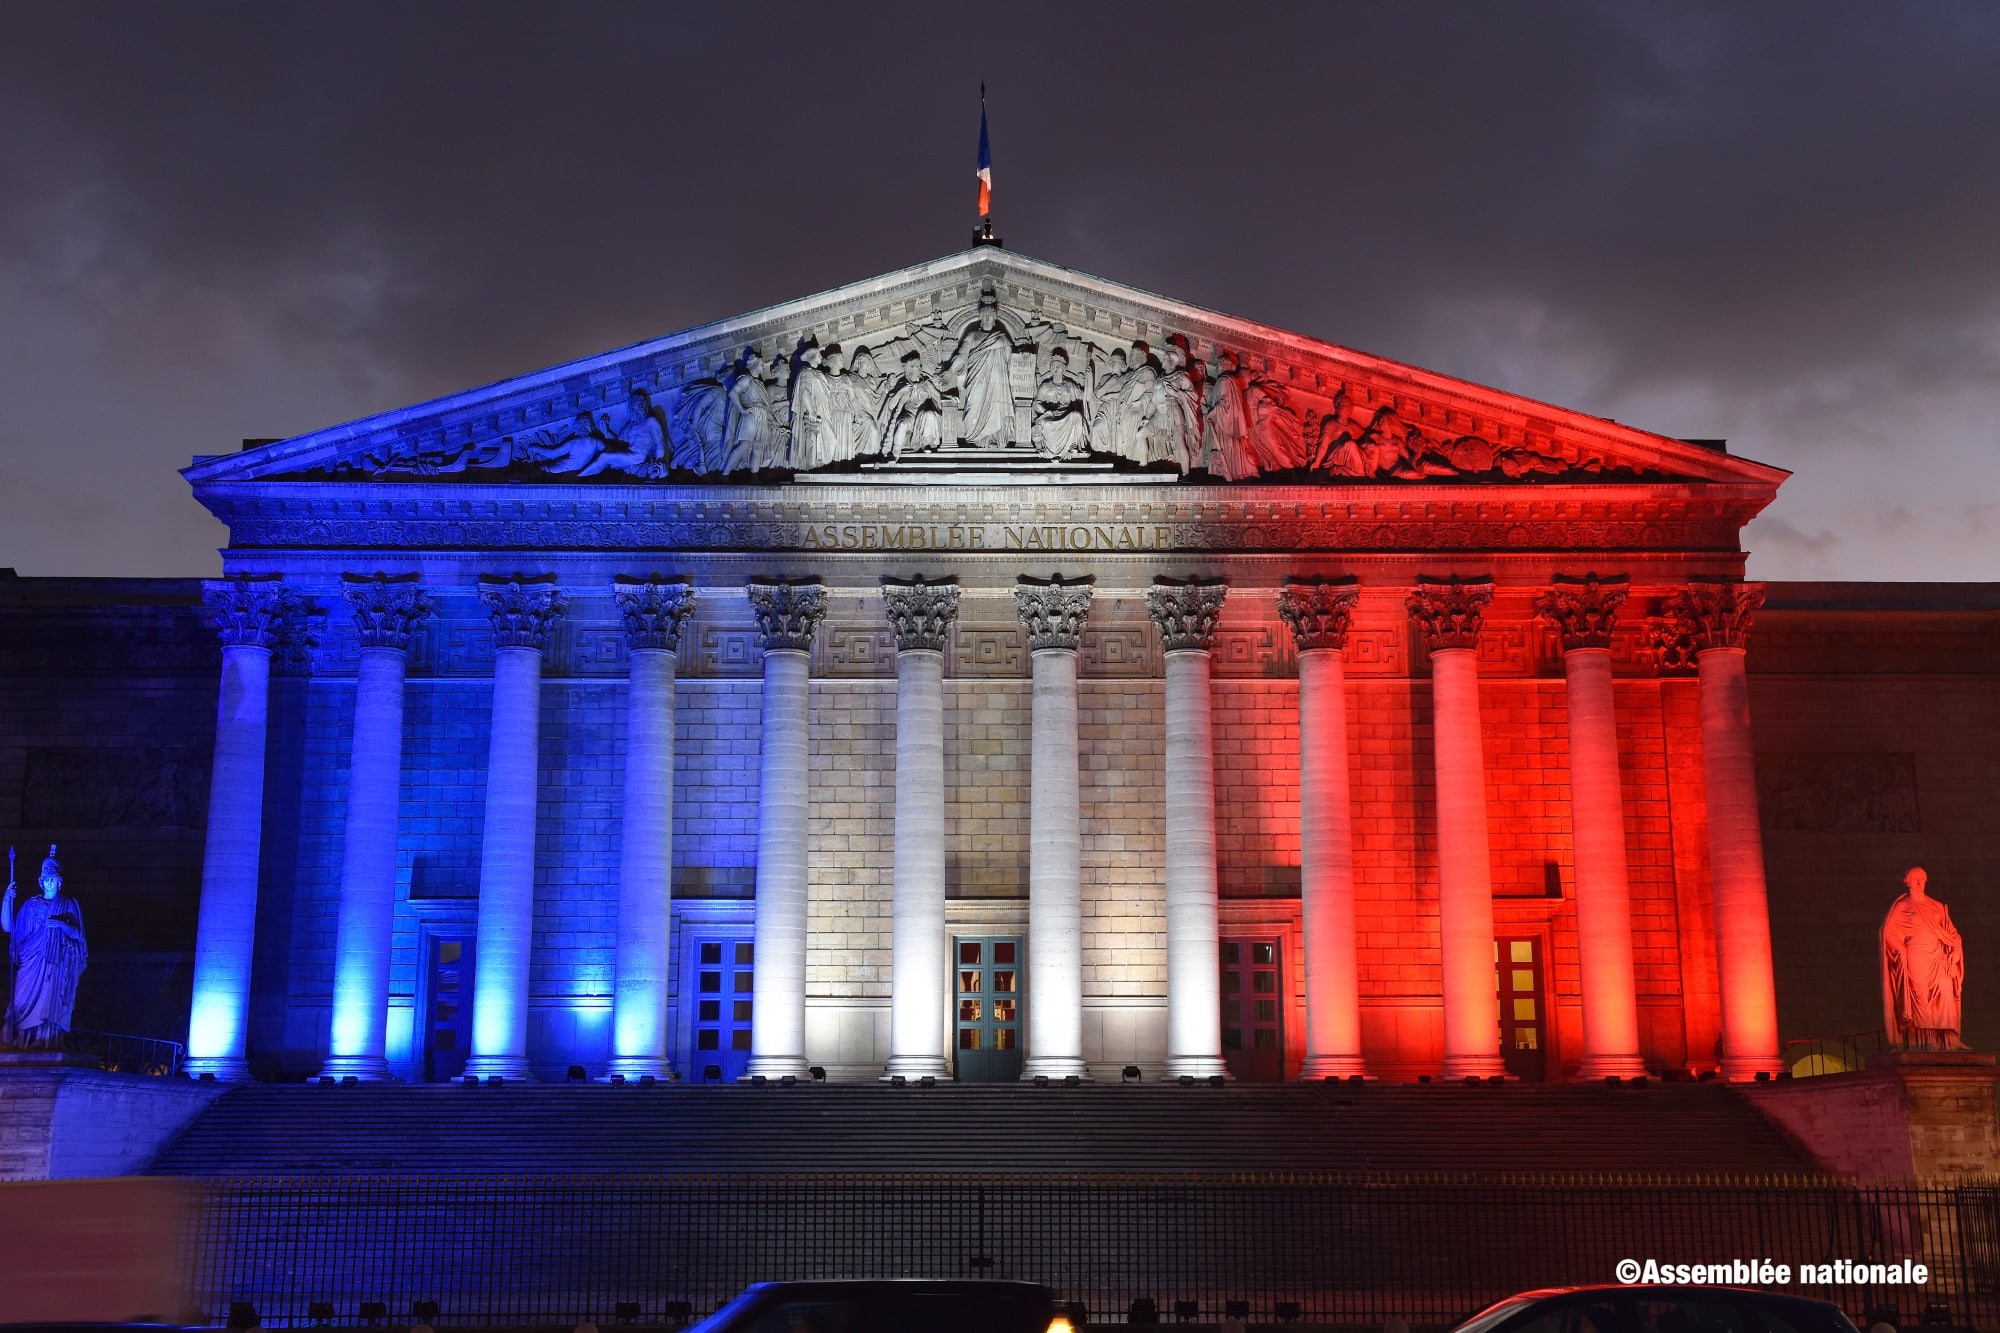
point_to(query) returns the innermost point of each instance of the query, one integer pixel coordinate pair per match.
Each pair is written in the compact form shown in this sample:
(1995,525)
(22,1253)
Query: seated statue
(1923,971)
(48,954)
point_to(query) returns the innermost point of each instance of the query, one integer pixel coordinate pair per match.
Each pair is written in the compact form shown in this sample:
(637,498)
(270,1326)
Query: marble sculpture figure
(1923,971)
(48,954)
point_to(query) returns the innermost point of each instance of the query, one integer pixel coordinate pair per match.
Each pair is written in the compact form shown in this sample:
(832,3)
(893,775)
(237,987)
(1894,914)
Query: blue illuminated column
(1319,614)
(1186,615)
(248,614)
(385,609)
(787,615)
(522,611)
(1053,614)
(653,614)
(920,614)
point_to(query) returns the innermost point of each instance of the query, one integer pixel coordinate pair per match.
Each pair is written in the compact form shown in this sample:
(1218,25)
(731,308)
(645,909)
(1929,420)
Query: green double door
(987,1008)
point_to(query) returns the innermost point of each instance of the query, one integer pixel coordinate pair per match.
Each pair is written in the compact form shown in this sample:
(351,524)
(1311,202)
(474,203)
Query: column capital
(1582,609)
(787,613)
(1053,611)
(249,610)
(523,608)
(299,635)
(1714,613)
(654,611)
(1186,611)
(1319,610)
(920,613)
(1449,612)
(386,606)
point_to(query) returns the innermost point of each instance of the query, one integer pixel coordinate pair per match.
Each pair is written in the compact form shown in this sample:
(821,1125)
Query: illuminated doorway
(986,1043)
(448,1009)
(718,983)
(1253,1032)
(1524,1030)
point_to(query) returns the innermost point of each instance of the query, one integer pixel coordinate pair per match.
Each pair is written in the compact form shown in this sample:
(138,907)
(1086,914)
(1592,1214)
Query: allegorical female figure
(48,953)
(1061,429)
(1923,971)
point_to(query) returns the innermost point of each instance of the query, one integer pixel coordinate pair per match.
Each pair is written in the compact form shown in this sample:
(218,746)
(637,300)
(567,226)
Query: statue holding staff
(48,954)
(1923,971)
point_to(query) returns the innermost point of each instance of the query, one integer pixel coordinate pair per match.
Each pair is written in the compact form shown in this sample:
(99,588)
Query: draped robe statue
(1923,971)
(48,953)
(814,442)
(1061,429)
(979,368)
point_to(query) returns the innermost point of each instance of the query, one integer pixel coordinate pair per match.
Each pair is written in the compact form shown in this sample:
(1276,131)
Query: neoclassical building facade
(983,672)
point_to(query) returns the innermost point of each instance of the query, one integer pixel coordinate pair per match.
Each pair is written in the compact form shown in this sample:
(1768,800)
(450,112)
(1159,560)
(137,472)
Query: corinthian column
(1185,614)
(920,614)
(653,613)
(1716,617)
(385,608)
(247,615)
(1053,614)
(1582,611)
(522,611)
(1448,615)
(1319,614)
(787,614)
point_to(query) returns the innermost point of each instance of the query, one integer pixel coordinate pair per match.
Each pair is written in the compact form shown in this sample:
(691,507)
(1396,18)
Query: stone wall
(61,1123)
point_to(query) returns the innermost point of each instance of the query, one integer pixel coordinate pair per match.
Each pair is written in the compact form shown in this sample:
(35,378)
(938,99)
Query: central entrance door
(987,1008)
(1253,1031)
(448,1009)
(718,971)
(1517,963)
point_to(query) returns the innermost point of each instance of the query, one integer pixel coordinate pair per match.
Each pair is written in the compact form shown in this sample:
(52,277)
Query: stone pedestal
(1910,1115)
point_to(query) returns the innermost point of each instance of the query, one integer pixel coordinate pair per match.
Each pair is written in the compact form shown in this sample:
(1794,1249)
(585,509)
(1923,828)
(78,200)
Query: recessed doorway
(1253,1013)
(1524,1031)
(986,1044)
(718,987)
(448,1009)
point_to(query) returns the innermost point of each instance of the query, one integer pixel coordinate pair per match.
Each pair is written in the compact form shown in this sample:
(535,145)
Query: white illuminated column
(653,614)
(1716,616)
(920,614)
(385,609)
(1319,614)
(248,614)
(1449,614)
(1186,614)
(1053,614)
(522,611)
(1582,612)
(787,615)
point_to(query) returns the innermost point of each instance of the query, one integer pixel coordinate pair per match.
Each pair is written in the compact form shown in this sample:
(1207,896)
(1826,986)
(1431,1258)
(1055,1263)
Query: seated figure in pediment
(1061,428)
(912,414)
(1170,432)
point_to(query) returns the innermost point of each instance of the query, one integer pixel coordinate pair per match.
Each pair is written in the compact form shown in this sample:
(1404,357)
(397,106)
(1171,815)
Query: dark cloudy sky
(1776,223)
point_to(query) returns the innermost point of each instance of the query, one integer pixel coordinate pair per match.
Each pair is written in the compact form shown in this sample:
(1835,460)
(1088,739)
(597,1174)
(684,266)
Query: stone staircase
(1532,1129)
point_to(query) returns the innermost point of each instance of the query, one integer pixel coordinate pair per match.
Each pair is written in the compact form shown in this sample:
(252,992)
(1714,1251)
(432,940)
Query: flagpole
(982,234)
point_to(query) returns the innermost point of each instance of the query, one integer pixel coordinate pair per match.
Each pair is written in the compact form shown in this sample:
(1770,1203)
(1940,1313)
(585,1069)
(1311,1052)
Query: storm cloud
(1774,223)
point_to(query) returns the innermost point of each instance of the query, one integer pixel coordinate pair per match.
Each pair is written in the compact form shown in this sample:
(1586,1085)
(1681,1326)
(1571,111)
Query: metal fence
(125,1053)
(1328,1249)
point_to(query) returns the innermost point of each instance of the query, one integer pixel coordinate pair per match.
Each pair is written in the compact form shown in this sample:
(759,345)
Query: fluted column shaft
(787,614)
(1054,615)
(1449,615)
(384,612)
(247,613)
(1319,614)
(921,615)
(653,614)
(1582,612)
(1717,618)
(1186,615)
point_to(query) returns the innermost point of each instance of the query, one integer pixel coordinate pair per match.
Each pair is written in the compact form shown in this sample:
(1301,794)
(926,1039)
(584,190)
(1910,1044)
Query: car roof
(1675,1288)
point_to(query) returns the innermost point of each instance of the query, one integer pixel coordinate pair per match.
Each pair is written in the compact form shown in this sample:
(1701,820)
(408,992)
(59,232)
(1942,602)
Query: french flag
(985,160)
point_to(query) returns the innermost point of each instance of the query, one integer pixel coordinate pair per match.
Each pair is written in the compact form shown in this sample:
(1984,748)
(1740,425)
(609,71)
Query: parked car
(1641,1309)
(904,1306)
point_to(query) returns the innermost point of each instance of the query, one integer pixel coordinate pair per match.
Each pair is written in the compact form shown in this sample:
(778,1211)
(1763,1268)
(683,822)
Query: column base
(635,1067)
(1472,1066)
(1332,1066)
(512,1068)
(1597,1067)
(914,1067)
(1054,1066)
(367,1068)
(225,1068)
(775,1067)
(1745,1068)
(1196,1066)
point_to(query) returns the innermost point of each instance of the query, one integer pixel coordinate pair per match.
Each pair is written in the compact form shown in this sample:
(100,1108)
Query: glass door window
(987,1001)
(448,1005)
(1524,1030)
(724,981)
(1253,1025)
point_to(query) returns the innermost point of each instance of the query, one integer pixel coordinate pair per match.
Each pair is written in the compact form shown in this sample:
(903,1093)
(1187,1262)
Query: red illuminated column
(1319,614)
(1185,614)
(1716,618)
(1582,611)
(1448,614)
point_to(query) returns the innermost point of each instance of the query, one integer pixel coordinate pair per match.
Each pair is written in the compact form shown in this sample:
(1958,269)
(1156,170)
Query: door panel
(986,1004)
(447,1030)
(1253,1009)
(718,976)
(1524,1028)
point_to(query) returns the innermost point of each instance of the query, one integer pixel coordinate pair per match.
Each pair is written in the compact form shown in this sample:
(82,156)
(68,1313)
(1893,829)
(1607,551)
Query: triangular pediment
(991,360)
